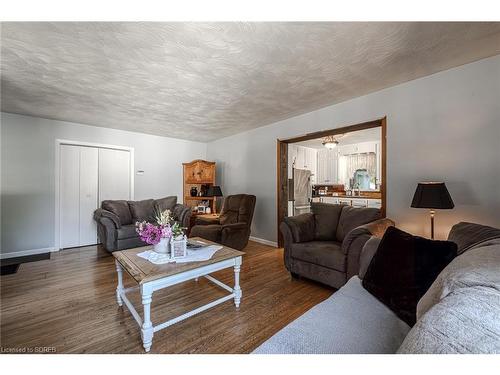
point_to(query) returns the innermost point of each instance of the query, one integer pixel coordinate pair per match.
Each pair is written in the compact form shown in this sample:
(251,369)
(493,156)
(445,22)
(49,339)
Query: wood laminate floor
(68,303)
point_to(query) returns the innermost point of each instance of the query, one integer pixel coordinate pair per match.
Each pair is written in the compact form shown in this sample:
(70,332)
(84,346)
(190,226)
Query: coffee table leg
(237,289)
(147,326)
(119,288)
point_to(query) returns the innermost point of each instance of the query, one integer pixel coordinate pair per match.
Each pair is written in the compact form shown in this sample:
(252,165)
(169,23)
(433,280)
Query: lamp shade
(432,195)
(214,191)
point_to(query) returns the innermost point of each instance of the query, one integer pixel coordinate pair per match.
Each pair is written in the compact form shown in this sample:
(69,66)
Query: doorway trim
(57,173)
(282,164)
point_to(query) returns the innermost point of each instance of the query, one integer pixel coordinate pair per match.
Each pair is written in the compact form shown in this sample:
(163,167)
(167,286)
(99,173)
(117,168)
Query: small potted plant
(158,234)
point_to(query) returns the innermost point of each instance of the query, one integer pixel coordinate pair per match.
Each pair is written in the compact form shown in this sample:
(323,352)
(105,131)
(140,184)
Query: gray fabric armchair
(116,220)
(232,228)
(326,245)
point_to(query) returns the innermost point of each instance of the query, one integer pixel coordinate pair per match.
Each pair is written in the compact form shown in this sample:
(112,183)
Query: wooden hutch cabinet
(199,174)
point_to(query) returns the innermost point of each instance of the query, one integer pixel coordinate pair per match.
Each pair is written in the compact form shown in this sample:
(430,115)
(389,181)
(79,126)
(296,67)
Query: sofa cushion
(326,218)
(464,322)
(142,210)
(469,235)
(352,217)
(350,321)
(479,267)
(403,268)
(301,226)
(459,312)
(237,209)
(126,231)
(322,253)
(166,203)
(120,209)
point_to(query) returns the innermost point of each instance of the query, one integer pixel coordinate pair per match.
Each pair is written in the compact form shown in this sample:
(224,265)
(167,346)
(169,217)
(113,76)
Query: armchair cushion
(352,217)
(209,232)
(201,220)
(302,227)
(322,253)
(142,210)
(326,217)
(127,231)
(120,209)
(166,203)
(237,208)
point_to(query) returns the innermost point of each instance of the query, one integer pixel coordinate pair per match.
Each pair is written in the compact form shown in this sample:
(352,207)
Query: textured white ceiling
(204,81)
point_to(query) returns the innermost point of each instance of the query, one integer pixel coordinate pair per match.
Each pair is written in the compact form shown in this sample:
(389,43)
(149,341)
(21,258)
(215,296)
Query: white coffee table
(151,277)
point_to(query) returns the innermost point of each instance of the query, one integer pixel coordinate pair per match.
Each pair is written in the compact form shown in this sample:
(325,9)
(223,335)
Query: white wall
(441,127)
(28,172)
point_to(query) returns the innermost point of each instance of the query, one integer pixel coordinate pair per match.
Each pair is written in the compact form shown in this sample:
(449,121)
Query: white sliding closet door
(88,194)
(69,188)
(78,195)
(87,176)
(114,174)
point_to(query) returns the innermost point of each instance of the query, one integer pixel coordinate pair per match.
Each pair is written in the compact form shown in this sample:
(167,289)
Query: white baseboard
(263,241)
(23,253)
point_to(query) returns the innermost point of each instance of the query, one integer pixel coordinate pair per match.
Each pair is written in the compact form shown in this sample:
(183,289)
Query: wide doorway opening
(339,166)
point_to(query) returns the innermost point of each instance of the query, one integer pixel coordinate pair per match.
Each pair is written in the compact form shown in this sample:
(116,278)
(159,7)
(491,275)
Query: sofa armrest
(302,227)
(182,214)
(355,240)
(287,243)
(100,213)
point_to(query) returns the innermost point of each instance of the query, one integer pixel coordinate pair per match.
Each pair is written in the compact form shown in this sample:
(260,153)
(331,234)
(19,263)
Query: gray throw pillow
(142,210)
(166,203)
(120,209)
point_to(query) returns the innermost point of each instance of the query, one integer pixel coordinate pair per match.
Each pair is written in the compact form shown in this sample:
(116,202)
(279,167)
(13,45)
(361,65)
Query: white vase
(162,247)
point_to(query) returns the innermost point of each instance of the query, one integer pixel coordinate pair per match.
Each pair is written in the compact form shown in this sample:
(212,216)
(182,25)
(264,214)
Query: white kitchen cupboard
(88,175)
(327,166)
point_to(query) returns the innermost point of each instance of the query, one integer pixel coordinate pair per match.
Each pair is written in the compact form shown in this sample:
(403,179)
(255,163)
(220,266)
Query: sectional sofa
(458,314)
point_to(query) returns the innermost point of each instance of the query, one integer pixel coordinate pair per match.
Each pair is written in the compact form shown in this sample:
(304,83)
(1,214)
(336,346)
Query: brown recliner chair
(232,228)
(325,245)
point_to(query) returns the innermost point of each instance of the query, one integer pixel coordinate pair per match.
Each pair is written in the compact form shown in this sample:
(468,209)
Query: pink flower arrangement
(151,233)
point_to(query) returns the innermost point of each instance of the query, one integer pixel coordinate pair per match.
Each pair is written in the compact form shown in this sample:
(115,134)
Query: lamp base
(432,212)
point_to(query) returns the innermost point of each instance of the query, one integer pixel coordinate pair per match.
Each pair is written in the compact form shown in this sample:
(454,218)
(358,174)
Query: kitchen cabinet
(327,166)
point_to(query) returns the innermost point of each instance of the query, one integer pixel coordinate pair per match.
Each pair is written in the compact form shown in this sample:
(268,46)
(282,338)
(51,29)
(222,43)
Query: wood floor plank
(69,303)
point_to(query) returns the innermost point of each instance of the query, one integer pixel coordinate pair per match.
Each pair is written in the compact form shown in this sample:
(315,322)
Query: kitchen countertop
(345,196)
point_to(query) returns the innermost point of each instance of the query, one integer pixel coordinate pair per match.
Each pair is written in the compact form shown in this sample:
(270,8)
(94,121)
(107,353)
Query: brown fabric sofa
(232,228)
(325,245)
(116,220)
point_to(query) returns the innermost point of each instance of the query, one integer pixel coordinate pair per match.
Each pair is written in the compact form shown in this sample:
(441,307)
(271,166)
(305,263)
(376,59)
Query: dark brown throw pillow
(403,268)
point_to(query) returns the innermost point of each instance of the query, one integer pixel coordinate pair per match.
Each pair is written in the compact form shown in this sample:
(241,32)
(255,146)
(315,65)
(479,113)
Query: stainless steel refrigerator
(302,191)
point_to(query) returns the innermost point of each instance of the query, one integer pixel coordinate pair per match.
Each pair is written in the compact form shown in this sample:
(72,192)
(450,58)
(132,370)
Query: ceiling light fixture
(331,141)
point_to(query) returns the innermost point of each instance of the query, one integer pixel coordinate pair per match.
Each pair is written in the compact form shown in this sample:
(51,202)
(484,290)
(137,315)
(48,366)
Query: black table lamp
(214,191)
(433,195)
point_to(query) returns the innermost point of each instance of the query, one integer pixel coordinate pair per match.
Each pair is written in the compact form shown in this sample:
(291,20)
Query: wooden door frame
(282,164)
